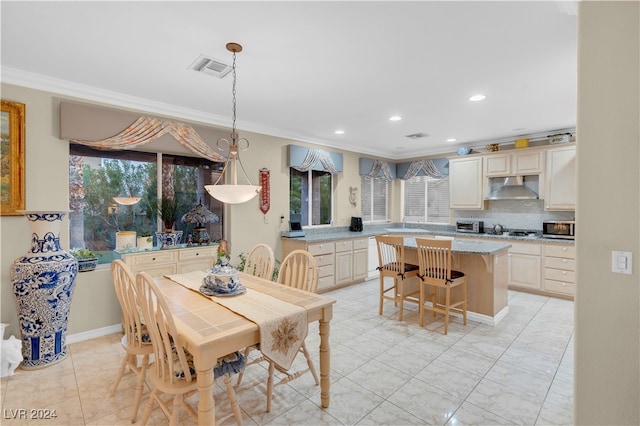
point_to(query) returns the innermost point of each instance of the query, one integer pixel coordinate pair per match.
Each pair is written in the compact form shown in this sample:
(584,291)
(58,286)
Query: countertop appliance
(470,226)
(563,229)
(295,227)
(356,224)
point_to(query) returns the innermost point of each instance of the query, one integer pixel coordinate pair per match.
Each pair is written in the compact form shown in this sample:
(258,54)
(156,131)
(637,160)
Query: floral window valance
(377,169)
(419,168)
(147,129)
(304,159)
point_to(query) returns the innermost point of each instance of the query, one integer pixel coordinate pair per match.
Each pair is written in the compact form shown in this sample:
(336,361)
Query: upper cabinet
(560,179)
(514,163)
(466,183)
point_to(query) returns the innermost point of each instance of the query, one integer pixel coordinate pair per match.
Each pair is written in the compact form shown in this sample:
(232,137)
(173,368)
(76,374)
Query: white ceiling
(309,68)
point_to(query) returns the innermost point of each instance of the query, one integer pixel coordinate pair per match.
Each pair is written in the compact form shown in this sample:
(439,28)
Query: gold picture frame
(12,149)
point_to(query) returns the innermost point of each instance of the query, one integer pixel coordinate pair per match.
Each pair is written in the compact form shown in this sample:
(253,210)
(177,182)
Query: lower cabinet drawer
(325,271)
(321,248)
(325,259)
(560,263)
(562,287)
(197,253)
(155,257)
(344,246)
(325,282)
(559,275)
(362,243)
(204,265)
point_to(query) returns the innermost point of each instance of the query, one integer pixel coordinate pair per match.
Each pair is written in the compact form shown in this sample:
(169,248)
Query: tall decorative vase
(43,282)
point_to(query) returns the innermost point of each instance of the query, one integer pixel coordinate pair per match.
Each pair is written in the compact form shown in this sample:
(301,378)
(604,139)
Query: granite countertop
(468,247)
(343,235)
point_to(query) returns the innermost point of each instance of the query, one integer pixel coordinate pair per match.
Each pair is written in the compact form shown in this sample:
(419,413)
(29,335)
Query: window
(96,177)
(311,196)
(426,199)
(374,199)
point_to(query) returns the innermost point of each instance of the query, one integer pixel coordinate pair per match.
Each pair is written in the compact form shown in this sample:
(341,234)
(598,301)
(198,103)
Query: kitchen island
(485,265)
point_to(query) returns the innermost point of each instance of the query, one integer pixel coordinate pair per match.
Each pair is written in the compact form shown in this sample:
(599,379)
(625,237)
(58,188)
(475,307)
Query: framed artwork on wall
(12,163)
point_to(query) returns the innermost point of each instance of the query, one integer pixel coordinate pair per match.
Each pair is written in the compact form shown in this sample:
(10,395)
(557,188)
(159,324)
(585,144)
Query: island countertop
(467,247)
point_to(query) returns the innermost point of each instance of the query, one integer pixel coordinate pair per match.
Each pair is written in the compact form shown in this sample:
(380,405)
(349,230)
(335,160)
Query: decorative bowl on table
(222,280)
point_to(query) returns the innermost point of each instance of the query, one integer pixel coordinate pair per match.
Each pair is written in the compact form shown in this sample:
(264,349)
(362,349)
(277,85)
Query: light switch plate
(621,262)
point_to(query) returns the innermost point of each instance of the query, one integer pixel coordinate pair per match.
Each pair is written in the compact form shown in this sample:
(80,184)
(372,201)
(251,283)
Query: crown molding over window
(303,159)
(432,168)
(377,168)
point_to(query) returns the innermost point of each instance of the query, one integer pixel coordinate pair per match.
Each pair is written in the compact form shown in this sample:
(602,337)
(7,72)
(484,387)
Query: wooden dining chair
(298,270)
(172,371)
(260,261)
(391,264)
(136,341)
(434,261)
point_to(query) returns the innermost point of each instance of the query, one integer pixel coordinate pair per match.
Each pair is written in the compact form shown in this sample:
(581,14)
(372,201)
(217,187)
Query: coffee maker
(356,224)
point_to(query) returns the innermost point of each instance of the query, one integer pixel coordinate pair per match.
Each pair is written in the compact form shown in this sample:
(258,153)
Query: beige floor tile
(383,371)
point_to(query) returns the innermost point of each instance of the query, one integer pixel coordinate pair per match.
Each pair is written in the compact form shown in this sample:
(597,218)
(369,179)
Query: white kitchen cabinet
(360,259)
(524,262)
(171,261)
(560,269)
(344,262)
(340,262)
(560,179)
(466,183)
(514,163)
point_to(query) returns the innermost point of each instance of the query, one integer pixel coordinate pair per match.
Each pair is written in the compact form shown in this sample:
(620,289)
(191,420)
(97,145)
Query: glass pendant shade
(126,201)
(233,194)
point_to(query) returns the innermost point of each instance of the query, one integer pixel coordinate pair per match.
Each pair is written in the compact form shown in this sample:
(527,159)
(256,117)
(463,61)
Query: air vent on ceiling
(210,66)
(418,135)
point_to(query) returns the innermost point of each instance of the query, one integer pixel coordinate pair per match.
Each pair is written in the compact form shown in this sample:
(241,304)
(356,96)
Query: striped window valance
(377,169)
(304,158)
(422,168)
(147,129)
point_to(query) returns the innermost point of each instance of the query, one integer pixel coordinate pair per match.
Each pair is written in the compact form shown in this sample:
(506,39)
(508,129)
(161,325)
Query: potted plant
(168,211)
(145,241)
(87,259)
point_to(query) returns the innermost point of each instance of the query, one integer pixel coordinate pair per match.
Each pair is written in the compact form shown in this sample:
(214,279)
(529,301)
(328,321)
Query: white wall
(607,307)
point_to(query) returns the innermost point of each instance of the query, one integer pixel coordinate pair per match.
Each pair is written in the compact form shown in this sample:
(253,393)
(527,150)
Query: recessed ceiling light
(395,118)
(451,140)
(339,132)
(476,98)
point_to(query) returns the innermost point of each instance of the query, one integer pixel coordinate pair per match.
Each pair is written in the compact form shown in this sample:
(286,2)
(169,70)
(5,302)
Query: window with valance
(375,178)
(311,183)
(425,186)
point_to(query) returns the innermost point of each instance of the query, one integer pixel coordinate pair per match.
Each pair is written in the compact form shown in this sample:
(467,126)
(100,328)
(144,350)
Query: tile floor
(383,372)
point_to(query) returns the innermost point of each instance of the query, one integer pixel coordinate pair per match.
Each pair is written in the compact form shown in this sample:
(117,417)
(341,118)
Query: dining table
(209,330)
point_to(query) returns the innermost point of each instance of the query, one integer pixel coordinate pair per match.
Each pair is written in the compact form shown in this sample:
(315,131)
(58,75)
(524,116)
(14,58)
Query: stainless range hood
(511,188)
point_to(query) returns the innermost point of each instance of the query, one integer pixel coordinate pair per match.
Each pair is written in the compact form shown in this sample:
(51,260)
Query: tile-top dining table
(210,330)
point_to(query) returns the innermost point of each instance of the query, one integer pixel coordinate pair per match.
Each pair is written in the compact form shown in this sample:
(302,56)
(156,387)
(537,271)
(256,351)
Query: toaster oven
(470,226)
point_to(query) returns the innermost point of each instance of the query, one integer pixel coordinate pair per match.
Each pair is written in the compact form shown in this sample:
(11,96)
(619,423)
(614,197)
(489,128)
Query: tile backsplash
(514,214)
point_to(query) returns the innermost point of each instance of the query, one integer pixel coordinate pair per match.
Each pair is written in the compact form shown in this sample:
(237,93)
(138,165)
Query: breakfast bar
(485,265)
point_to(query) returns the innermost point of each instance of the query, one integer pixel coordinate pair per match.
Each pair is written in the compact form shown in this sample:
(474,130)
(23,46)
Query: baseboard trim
(486,319)
(92,334)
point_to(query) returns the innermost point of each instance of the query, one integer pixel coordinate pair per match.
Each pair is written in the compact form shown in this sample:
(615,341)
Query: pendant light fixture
(233,193)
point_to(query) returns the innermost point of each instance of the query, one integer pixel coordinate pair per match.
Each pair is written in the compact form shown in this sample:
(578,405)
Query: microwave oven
(563,229)
(470,226)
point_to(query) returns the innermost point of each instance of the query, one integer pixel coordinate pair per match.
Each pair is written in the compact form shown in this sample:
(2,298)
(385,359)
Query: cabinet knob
(564,272)
(153,258)
(564,249)
(564,284)
(564,260)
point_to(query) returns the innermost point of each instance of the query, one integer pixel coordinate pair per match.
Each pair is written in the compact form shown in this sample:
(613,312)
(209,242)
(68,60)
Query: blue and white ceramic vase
(43,282)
